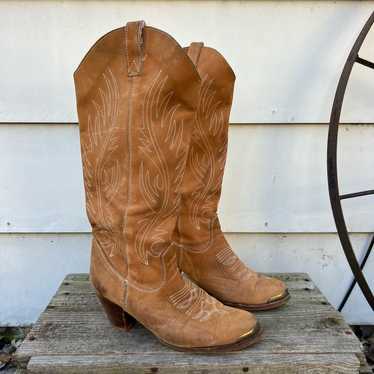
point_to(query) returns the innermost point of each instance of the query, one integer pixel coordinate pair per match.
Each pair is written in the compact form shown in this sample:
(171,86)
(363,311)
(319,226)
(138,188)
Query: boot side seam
(129,181)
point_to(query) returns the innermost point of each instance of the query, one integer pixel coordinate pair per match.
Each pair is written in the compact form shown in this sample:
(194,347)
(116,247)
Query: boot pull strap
(194,51)
(134,47)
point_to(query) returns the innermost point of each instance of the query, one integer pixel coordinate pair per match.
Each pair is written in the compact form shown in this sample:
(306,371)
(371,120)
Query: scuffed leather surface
(136,100)
(205,255)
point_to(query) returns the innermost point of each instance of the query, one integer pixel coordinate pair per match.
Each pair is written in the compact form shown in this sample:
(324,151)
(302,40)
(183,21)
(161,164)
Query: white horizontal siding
(275,179)
(32,267)
(287,55)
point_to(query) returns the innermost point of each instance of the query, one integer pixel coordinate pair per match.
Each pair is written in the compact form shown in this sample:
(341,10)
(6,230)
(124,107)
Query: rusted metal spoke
(354,282)
(364,62)
(356,194)
(332,172)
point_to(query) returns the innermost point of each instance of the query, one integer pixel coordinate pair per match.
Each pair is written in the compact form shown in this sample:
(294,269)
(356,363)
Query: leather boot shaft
(137,95)
(205,255)
(202,182)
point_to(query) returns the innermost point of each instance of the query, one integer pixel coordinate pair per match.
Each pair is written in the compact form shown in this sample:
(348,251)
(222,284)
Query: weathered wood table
(73,336)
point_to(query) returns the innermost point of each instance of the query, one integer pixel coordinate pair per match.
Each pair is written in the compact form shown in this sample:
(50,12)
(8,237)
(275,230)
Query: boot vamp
(222,274)
(184,315)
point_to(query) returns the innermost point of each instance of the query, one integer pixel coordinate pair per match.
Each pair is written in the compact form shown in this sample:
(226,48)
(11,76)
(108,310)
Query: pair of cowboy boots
(153,121)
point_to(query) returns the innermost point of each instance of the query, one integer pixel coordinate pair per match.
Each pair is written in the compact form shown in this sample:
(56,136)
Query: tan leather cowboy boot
(205,256)
(137,92)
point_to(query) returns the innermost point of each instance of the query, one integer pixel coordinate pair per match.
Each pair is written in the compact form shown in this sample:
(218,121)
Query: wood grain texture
(74,336)
(233,364)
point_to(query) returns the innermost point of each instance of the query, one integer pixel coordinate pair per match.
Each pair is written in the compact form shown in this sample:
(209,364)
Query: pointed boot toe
(205,255)
(137,96)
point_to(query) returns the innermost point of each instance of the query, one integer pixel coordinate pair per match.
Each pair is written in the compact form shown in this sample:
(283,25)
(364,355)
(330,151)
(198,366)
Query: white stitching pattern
(102,179)
(196,303)
(161,130)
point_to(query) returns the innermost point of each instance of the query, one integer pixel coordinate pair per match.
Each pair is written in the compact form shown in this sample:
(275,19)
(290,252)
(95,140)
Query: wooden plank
(234,364)
(74,335)
(287,56)
(257,168)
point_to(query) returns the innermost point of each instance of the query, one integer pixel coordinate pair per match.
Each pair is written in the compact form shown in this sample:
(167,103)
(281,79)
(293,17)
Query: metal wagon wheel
(332,173)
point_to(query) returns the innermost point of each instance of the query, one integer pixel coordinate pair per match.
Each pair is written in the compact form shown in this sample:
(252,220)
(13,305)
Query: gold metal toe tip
(252,331)
(280,296)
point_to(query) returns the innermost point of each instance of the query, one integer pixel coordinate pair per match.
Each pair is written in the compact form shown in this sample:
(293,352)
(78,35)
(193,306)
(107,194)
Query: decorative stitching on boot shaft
(161,138)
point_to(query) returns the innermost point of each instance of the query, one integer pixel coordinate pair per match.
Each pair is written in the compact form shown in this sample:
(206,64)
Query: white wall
(287,55)
(275,208)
